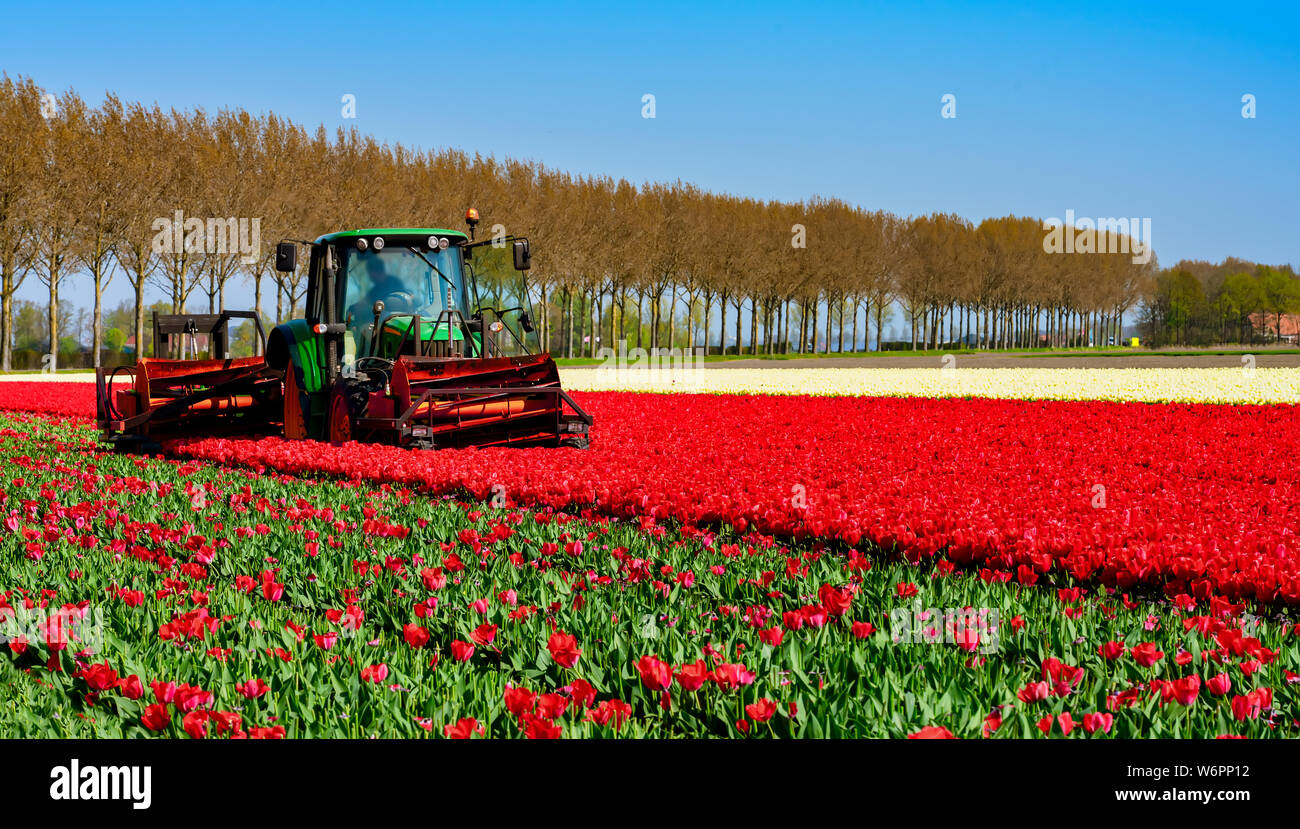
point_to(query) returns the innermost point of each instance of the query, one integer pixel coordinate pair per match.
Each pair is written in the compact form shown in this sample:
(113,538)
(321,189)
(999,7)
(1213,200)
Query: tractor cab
(421,292)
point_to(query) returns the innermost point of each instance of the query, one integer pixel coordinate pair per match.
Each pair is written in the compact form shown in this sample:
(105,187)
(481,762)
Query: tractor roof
(387,231)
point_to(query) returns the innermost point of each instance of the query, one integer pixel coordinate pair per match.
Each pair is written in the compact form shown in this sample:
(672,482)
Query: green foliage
(1199,304)
(114,339)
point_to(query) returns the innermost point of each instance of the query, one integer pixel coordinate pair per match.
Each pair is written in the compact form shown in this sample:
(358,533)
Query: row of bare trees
(83,191)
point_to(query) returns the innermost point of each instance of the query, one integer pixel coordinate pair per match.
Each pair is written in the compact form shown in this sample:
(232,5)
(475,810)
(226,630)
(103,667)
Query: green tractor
(418,337)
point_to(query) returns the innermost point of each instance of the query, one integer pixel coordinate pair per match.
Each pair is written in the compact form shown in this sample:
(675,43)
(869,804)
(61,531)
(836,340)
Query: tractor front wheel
(340,421)
(295,425)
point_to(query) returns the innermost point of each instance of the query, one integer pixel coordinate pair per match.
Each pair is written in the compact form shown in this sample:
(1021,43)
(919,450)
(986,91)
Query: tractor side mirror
(286,257)
(523,257)
(526,322)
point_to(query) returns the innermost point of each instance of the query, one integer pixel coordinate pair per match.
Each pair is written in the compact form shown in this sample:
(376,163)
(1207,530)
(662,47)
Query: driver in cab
(384,285)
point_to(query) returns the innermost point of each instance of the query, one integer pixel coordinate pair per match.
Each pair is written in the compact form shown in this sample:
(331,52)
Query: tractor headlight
(432,243)
(362,244)
(443,243)
(379,243)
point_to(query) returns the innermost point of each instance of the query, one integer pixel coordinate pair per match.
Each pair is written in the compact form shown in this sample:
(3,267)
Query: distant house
(1268,324)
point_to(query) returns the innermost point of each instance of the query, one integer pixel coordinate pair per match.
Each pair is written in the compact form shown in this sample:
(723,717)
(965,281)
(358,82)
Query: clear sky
(1109,109)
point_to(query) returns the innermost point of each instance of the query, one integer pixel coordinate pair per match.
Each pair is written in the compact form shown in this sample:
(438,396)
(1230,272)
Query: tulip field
(731,565)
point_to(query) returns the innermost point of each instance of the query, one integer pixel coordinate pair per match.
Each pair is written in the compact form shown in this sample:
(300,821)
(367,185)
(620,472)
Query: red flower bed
(66,399)
(1194,499)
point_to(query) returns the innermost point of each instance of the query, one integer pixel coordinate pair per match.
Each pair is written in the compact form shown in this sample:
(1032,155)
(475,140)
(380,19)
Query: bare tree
(21,125)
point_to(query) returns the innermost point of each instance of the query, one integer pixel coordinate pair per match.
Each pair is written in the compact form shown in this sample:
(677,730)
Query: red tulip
(190,697)
(1186,690)
(1111,650)
(992,723)
(539,728)
(252,689)
(195,724)
(156,717)
(416,636)
(100,677)
(1097,722)
(761,711)
(519,701)
(836,600)
(732,675)
(551,706)
(1219,684)
(582,693)
(655,675)
(692,676)
(932,732)
(564,649)
(131,687)
(1033,692)
(1066,722)
(1146,654)
(771,636)
(464,728)
(1244,708)
(863,630)
(610,711)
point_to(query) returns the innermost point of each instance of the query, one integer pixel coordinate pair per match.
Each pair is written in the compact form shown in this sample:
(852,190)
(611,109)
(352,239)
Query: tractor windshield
(406,280)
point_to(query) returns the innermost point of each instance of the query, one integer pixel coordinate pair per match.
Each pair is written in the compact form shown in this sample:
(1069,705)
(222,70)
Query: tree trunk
(708,311)
(740,307)
(54,318)
(672,316)
(722,324)
(592,299)
(257,309)
(97,324)
(568,301)
(139,317)
(7,323)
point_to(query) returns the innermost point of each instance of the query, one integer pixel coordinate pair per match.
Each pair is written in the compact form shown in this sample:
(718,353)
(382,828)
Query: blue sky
(1108,109)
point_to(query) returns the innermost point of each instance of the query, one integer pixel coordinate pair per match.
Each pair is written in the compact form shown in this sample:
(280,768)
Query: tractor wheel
(295,425)
(575,442)
(348,400)
(340,424)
